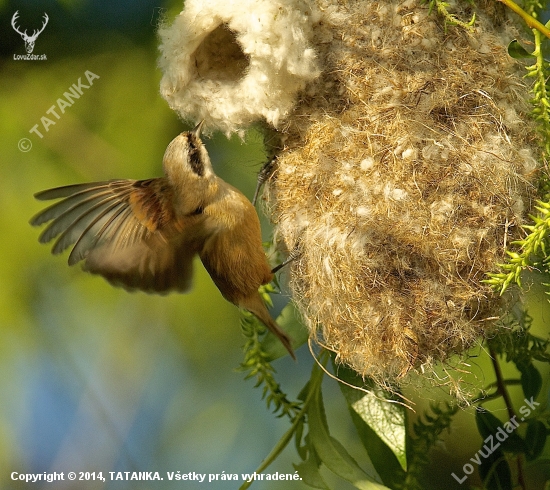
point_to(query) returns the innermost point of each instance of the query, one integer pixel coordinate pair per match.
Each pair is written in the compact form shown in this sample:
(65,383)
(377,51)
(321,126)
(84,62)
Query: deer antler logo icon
(29,40)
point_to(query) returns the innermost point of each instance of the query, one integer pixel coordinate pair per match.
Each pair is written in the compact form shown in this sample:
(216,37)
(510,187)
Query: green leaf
(333,455)
(304,392)
(301,450)
(531,380)
(494,430)
(382,457)
(495,472)
(309,471)
(517,51)
(535,439)
(380,423)
(289,321)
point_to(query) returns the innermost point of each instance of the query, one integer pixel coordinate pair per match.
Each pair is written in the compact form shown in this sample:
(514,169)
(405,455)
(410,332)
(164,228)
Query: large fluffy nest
(407,170)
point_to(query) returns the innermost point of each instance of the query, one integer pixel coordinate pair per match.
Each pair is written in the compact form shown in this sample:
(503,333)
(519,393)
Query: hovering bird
(143,234)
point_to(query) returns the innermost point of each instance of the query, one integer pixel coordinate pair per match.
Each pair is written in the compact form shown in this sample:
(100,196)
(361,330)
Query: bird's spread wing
(125,230)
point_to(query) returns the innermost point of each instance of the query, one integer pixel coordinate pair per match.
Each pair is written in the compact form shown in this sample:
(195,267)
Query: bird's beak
(197,129)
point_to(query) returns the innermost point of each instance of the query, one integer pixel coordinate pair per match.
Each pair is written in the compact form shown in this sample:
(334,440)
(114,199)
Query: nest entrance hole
(220,57)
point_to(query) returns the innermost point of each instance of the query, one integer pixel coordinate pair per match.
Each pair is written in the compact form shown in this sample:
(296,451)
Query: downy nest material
(407,167)
(234,62)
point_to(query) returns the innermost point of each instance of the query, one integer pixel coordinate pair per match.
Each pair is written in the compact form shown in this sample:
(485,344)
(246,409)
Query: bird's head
(186,160)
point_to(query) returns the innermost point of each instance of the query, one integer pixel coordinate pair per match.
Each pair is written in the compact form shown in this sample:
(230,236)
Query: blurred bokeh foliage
(93,378)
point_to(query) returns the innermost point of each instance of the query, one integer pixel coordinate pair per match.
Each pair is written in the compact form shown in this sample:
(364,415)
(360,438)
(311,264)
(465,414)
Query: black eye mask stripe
(195,159)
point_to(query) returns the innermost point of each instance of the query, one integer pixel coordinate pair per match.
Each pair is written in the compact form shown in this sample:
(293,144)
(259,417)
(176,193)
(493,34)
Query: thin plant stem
(501,389)
(316,378)
(529,19)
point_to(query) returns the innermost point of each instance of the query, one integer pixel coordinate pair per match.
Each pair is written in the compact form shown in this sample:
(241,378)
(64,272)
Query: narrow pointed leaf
(309,471)
(495,472)
(493,432)
(333,455)
(531,380)
(380,424)
(535,438)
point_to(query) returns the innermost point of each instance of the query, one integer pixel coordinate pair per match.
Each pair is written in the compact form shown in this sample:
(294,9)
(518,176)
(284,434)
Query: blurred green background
(93,378)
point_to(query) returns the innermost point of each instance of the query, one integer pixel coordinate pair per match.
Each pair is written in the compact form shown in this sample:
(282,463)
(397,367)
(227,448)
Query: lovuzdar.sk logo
(29,39)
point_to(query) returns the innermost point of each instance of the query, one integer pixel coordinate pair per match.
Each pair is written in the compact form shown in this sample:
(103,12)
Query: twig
(501,389)
(529,19)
